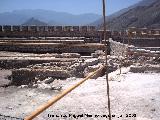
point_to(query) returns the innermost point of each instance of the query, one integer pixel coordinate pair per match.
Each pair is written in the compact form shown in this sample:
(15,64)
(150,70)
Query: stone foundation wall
(134,51)
(50,48)
(119,49)
(140,42)
(142,69)
(22,61)
(26,76)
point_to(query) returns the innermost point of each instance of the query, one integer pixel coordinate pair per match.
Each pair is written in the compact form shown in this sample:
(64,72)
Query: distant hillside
(143,14)
(19,17)
(33,21)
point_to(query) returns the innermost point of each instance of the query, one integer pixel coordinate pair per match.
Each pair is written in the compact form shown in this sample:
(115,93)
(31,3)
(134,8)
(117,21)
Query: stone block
(90,62)
(27,76)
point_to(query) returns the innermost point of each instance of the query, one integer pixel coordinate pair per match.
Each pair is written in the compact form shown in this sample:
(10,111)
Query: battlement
(74,31)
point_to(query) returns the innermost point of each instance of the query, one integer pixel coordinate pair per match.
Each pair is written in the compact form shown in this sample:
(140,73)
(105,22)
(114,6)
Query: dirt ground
(4,77)
(132,94)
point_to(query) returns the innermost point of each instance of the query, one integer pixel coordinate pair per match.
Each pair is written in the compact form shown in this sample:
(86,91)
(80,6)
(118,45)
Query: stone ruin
(44,73)
(71,65)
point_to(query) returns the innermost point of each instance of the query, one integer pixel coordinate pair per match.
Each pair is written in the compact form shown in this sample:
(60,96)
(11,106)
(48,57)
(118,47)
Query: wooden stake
(106,50)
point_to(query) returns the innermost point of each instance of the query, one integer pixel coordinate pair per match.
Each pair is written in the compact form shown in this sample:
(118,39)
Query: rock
(48,80)
(94,55)
(35,86)
(77,69)
(100,52)
(58,88)
(70,55)
(71,78)
(111,62)
(145,68)
(26,76)
(101,59)
(90,62)
(39,82)
(9,108)
(44,86)
(112,57)
(23,86)
(91,69)
(153,110)
(36,78)
(22,76)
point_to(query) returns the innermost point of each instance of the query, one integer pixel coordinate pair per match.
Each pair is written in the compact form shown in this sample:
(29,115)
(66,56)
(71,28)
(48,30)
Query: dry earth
(131,93)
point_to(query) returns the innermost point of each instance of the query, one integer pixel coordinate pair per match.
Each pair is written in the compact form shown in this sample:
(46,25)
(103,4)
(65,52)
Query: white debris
(23,86)
(48,80)
(35,86)
(90,62)
(59,88)
(39,82)
(44,86)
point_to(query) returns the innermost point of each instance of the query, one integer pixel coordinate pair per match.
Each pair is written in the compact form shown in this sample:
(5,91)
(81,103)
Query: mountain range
(19,17)
(146,13)
(35,22)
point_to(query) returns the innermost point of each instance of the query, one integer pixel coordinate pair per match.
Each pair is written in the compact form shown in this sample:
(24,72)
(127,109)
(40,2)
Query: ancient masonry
(57,57)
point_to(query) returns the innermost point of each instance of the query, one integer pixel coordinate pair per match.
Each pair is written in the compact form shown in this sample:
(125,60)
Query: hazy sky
(70,6)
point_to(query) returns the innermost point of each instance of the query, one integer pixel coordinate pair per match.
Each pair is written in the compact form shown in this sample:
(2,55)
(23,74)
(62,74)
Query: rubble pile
(14,60)
(79,68)
(143,52)
(69,65)
(43,75)
(26,76)
(56,70)
(144,60)
(145,68)
(141,64)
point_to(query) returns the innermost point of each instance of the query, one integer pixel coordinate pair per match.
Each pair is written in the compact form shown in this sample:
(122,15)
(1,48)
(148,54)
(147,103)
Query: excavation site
(81,71)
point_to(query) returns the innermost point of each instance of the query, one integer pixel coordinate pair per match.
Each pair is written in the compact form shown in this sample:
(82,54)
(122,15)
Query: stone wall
(146,68)
(23,60)
(50,48)
(134,51)
(140,42)
(117,48)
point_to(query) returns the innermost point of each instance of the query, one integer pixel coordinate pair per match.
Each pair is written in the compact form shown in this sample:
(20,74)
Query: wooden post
(106,50)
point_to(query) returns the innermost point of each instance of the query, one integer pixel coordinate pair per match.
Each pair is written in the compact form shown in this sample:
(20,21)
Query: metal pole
(106,50)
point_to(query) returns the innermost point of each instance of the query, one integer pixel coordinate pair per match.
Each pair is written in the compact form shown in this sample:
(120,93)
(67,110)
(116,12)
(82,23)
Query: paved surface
(130,94)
